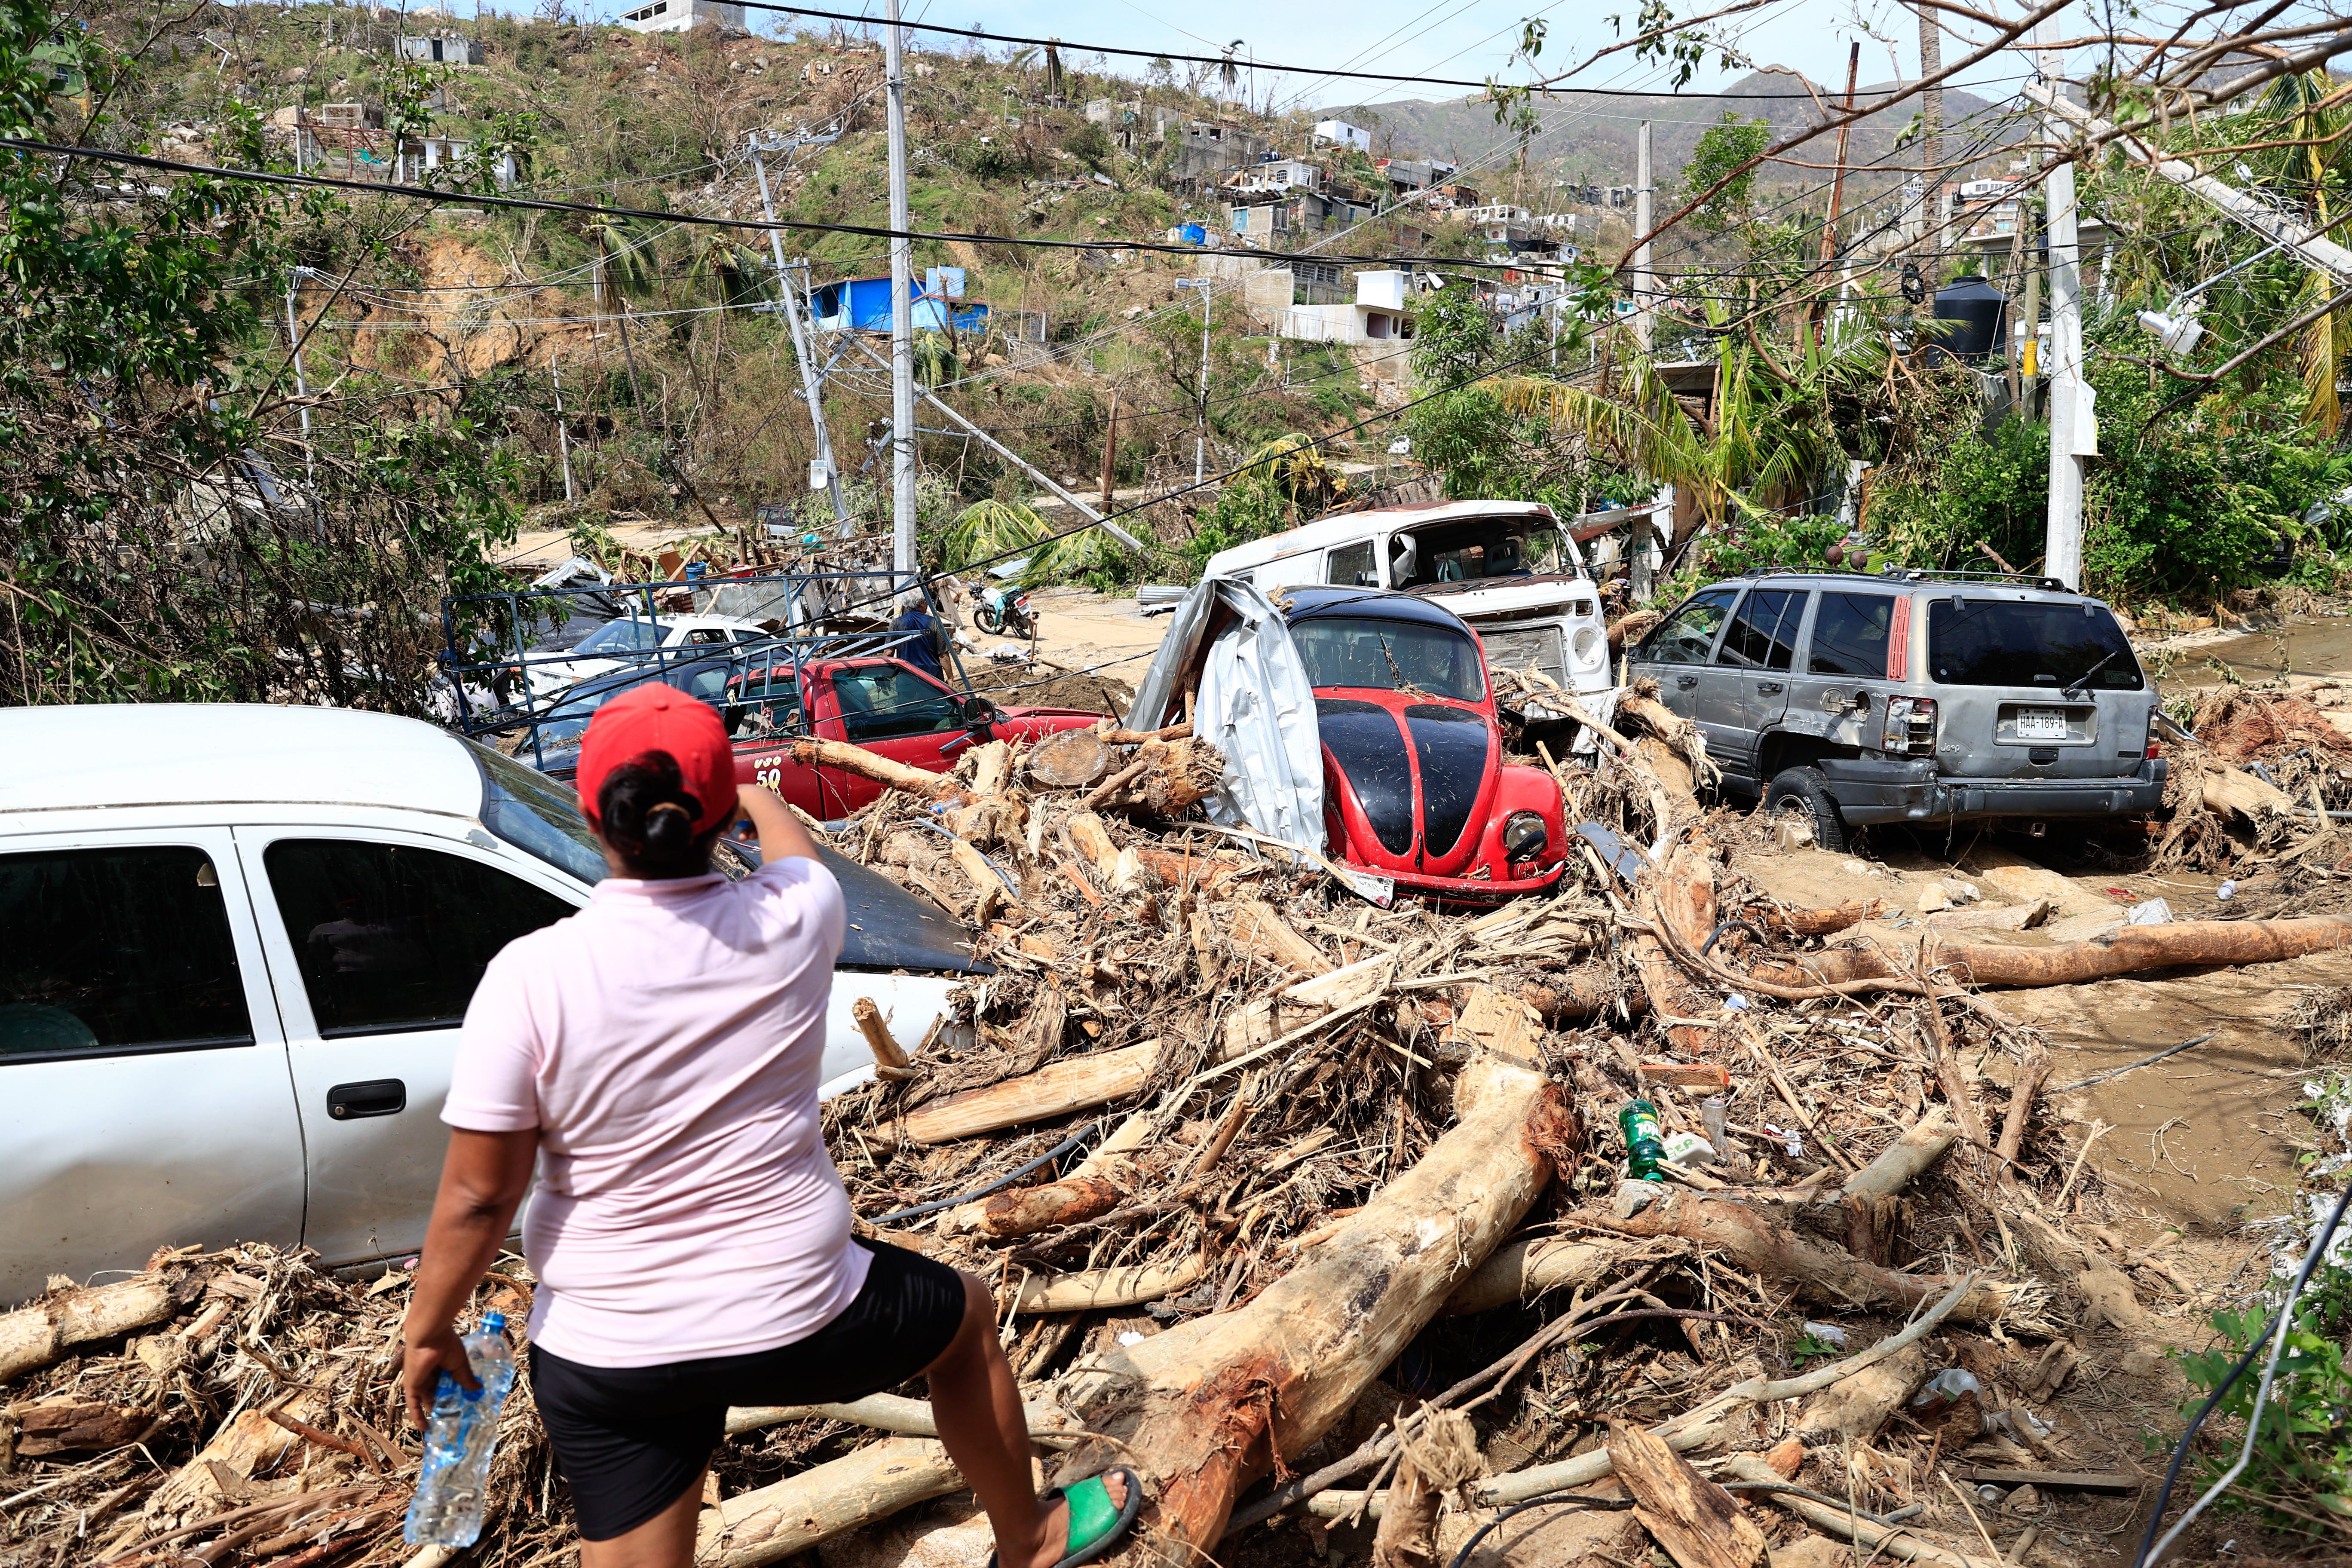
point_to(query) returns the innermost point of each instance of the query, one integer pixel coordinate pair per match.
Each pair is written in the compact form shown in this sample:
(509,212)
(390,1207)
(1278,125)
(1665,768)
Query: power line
(1061,44)
(590,210)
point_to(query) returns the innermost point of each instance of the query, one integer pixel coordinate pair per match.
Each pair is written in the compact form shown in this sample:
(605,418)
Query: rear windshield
(1992,642)
(1388,655)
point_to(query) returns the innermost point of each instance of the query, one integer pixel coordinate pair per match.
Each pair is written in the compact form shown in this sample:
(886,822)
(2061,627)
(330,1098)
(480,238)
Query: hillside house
(682,15)
(440,48)
(863,305)
(1340,133)
(1377,314)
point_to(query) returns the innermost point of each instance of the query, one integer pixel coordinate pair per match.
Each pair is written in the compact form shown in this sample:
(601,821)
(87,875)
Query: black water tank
(1980,316)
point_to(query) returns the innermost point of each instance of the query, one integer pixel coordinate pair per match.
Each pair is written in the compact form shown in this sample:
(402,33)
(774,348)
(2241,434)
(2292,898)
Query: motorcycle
(1004,612)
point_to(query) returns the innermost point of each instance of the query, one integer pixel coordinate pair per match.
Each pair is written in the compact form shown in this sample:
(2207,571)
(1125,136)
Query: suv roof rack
(1922,574)
(1912,574)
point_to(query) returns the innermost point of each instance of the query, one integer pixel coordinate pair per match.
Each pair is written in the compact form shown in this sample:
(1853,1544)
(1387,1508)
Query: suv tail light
(1910,727)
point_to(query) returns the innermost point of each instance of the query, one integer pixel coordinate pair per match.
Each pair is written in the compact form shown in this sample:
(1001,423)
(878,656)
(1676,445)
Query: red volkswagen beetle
(1416,788)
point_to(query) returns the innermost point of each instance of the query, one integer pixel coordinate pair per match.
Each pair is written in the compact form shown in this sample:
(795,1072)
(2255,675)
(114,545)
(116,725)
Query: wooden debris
(36,1335)
(1696,1521)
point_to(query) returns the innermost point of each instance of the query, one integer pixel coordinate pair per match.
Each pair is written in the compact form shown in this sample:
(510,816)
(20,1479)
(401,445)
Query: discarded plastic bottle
(1645,1144)
(452,1484)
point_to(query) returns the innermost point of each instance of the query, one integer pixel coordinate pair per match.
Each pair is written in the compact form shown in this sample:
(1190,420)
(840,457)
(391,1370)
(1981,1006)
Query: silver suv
(1911,697)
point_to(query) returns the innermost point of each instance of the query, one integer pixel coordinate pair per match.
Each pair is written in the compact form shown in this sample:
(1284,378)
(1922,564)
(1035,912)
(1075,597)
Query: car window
(622,637)
(1763,635)
(1351,566)
(704,682)
(116,950)
(541,818)
(881,701)
(1342,651)
(1987,642)
(707,636)
(1687,636)
(390,936)
(1849,634)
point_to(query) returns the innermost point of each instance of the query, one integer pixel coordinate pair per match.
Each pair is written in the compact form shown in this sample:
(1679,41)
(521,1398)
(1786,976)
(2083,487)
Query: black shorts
(630,1439)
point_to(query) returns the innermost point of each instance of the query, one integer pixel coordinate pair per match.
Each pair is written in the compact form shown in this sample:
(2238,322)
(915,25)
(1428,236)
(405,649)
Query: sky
(1469,39)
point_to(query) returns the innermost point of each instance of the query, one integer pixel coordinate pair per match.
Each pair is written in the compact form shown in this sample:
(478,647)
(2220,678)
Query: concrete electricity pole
(2074,433)
(811,379)
(1642,283)
(902,316)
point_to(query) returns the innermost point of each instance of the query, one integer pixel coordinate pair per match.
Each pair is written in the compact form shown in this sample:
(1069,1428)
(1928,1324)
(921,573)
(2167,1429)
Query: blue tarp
(863,304)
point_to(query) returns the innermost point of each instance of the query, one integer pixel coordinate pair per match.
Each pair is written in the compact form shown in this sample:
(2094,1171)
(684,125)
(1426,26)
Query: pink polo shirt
(666,1042)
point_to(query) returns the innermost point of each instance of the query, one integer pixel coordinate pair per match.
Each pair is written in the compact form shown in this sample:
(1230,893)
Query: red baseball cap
(658,718)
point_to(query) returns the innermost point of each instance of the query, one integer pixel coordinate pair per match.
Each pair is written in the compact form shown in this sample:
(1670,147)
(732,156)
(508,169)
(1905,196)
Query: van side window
(1688,634)
(1849,634)
(1351,566)
(1763,635)
(392,936)
(116,950)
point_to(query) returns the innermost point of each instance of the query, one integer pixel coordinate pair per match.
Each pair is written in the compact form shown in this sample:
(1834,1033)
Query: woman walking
(654,1058)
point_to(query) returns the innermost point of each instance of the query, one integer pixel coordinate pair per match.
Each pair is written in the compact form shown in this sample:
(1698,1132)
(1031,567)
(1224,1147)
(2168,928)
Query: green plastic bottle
(1645,1142)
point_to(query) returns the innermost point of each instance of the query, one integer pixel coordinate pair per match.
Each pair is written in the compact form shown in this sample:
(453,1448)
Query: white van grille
(1518,647)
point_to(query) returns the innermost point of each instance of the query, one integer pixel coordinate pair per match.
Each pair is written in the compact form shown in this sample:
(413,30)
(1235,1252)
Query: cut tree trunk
(1126,1286)
(1075,759)
(1524,1271)
(2185,943)
(1583,993)
(1814,923)
(32,1337)
(1254,925)
(1857,1408)
(1206,1408)
(1820,1272)
(774,1522)
(1058,1089)
(866,765)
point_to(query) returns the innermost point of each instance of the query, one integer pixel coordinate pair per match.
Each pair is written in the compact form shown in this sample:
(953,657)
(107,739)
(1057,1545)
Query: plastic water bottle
(452,1483)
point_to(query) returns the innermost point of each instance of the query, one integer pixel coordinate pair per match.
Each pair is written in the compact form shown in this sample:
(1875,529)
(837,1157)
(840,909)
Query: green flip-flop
(1096,1524)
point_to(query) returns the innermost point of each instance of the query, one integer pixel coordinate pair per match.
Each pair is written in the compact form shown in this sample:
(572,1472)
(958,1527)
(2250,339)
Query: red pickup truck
(885,705)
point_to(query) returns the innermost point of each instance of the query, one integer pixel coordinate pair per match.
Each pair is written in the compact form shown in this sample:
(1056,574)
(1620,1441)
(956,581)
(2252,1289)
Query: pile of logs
(1313,1213)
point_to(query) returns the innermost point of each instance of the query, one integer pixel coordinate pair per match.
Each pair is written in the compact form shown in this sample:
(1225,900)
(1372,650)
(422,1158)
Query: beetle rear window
(2031,643)
(1388,655)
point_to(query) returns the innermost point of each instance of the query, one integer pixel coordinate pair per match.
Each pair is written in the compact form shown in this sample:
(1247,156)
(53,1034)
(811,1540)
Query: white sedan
(611,646)
(236,945)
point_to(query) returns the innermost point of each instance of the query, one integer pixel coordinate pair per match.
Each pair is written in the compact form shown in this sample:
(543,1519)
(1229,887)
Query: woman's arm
(483,1181)
(782,837)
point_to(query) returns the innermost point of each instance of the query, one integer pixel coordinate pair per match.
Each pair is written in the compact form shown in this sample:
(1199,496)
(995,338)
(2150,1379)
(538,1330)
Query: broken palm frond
(1223,1140)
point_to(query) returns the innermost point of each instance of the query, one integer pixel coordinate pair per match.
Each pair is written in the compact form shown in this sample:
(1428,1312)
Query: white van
(1505,566)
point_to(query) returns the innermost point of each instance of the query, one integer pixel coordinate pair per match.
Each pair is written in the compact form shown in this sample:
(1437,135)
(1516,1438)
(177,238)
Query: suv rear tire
(1805,792)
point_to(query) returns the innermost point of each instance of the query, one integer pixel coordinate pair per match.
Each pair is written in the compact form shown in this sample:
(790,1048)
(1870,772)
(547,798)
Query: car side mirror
(978,711)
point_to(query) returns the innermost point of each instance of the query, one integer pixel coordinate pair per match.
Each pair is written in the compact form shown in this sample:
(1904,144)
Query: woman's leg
(665,1541)
(976,1404)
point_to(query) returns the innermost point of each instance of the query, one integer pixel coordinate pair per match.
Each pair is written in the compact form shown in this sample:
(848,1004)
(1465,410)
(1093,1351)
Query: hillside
(693,400)
(1590,138)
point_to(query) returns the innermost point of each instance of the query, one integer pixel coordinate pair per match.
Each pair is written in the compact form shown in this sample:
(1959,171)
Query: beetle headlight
(1524,835)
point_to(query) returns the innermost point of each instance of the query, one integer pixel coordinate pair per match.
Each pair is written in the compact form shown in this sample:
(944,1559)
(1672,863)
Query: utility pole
(902,315)
(1642,289)
(812,380)
(1207,286)
(1837,190)
(562,433)
(1931,136)
(2074,433)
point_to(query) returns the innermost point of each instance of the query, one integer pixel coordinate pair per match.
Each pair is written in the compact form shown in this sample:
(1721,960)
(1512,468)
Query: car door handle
(376,1097)
(1686,682)
(963,740)
(1766,687)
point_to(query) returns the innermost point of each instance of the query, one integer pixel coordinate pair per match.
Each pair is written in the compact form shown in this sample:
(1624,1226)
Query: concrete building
(679,15)
(440,48)
(1340,134)
(1377,315)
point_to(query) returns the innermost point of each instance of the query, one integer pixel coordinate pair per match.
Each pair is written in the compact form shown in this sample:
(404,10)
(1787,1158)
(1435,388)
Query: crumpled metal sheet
(1254,705)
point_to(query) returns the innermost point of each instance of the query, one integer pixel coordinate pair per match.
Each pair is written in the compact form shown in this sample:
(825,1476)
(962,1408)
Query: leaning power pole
(812,375)
(902,316)
(2074,433)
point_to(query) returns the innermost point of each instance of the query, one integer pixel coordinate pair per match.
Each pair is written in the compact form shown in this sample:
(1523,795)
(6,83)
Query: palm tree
(987,529)
(1228,73)
(621,256)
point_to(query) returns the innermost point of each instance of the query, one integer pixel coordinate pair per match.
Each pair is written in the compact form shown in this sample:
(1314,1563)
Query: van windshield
(1476,548)
(1388,655)
(2052,646)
